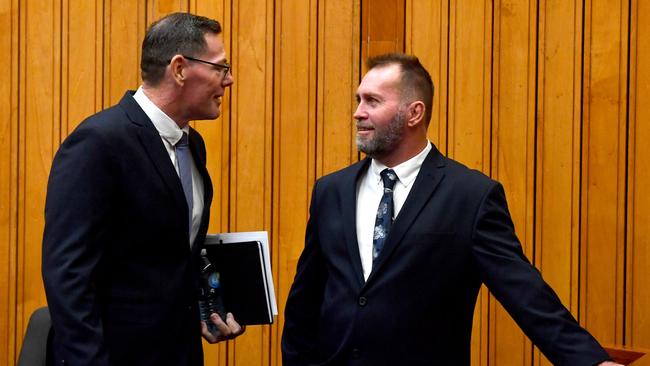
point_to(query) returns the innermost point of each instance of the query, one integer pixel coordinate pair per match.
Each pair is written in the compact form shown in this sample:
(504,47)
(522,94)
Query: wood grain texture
(637,291)
(550,97)
(513,150)
(8,179)
(430,18)
(469,110)
(558,148)
(338,76)
(39,121)
(603,169)
(294,136)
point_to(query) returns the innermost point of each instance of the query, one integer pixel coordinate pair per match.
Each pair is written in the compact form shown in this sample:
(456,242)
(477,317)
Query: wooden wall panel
(470,57)
(8,177)
(546,96)
(124,27)
(558,147)
(513,150)
(637,322)
(427,36)
(82,62)
(251,147)
(294,136)
(338,77)
(469,109)
(603,169)
(156,9)
(382,28)
(39,116)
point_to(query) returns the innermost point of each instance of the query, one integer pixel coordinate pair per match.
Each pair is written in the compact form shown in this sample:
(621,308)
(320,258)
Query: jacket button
(363,301)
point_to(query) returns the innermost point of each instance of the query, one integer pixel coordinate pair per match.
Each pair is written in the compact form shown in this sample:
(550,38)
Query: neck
(402,153)
(165,99)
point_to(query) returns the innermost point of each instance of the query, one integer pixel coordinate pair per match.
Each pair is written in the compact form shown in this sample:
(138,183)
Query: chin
(213,114)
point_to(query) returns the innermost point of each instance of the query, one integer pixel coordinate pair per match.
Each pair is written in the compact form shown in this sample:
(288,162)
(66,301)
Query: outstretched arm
(522,291)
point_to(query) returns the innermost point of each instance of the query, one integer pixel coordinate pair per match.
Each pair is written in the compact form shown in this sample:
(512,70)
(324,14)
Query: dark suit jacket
(120,278)
(453,233)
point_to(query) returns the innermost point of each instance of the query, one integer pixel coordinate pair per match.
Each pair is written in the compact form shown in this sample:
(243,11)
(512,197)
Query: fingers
(205,333)
(225,330)
(235,328)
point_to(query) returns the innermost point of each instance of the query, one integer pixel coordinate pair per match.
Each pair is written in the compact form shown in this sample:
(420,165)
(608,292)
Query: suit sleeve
(79,197)
(520,288)
(302,311)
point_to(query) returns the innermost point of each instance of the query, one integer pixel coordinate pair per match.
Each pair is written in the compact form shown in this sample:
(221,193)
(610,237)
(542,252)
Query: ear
(177,69)
(415,114)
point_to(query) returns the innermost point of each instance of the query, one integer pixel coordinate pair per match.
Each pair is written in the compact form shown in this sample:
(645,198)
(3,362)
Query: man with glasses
(127,211)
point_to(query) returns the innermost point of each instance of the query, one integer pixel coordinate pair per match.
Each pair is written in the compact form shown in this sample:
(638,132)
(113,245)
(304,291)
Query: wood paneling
(382,28)
(563,139)
(251,134)
(430,17)
(550,97)
(469,110)
(8,178)
(637,321)
(294,137)
(557,194)
(82,62)
(39,120)
(338,76)
(124,27)
(604,134)
(513,150)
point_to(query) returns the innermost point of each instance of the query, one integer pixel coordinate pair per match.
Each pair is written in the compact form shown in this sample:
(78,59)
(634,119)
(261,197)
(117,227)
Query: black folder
(243,280)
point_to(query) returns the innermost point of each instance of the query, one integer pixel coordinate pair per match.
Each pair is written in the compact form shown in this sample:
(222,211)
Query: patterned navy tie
(184,159)
(384,218)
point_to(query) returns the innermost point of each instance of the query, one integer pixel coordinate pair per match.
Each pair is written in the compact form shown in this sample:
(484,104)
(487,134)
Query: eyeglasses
(225,68)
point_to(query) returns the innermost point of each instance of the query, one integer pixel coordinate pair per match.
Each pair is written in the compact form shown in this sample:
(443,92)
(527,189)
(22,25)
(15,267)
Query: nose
(228,80)
(360,113)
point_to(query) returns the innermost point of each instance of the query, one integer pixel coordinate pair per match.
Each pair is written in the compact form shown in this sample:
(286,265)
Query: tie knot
(389,178)
(183,142)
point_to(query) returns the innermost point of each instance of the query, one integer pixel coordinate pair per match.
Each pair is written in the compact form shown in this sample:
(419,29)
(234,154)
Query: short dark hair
(174,34)
(415,80)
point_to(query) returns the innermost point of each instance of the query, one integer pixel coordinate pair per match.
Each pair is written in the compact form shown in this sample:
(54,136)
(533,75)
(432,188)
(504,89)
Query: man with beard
(398,244)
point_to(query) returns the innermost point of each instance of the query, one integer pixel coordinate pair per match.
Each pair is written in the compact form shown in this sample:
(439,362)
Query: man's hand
(228,330)
(609,363)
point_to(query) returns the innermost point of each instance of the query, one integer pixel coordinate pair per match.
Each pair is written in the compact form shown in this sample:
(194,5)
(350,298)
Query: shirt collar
(406,171)
(167,128)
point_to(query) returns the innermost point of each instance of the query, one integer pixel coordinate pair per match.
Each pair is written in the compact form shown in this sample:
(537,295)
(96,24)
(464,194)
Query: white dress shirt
(370,189)
(170,134)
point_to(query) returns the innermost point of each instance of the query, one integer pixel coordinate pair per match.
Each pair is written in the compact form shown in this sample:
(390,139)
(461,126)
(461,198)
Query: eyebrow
(367,94)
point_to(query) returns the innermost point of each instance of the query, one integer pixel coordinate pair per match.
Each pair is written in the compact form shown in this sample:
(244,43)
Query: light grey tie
(184,158)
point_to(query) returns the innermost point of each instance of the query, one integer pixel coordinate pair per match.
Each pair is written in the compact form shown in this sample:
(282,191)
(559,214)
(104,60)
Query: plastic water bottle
(210,298)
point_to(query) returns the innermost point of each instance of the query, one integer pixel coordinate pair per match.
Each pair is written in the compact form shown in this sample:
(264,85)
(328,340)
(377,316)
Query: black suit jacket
(120,278)
(453,233)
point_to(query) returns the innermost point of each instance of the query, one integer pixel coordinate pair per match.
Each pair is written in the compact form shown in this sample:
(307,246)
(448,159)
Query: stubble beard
(384,140)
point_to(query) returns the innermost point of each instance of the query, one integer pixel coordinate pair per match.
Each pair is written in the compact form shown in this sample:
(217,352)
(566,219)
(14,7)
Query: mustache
(360,124)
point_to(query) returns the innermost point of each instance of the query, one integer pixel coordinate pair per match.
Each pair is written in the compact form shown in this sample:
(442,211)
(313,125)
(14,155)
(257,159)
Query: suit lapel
(425,184)
(349,216)
(152,143)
